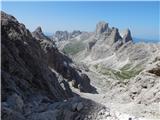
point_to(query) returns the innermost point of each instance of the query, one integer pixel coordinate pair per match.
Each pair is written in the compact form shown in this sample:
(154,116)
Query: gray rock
(127,36)
(80,106)
(155,71)
(102,27)
(69,115)
(25,70)
(39,29)
(15,102)
(91,44)
(47,115)
(38,34)
(61,35)
(113,37)
(77,106)
(75,33)
(9,114)
(74,106)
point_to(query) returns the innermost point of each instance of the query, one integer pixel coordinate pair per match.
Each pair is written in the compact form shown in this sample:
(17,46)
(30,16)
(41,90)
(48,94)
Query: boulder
(77,106)
(155,71)
(80,106)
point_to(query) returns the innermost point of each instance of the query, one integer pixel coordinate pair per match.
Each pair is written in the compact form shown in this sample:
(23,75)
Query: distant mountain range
(135,39)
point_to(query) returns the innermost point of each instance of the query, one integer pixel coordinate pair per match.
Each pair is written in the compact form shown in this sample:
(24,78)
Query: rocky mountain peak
(102,27)
(127,36)
(7,17)
(38,34)
(61,35)
(65,35)
(38,29)
(115,35)
(75,33)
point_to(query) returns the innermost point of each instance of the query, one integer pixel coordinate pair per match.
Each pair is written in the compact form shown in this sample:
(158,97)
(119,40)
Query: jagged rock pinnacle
(39,29)
(127,36)
(101,27)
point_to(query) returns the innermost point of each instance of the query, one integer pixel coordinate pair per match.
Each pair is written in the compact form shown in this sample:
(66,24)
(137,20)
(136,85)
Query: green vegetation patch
(74,47)
(126,72)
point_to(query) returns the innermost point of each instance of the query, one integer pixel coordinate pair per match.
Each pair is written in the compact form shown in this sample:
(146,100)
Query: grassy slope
(74,47)
(126,72)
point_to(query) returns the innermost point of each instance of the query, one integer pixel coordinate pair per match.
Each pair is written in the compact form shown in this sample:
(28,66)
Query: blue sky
(142,18)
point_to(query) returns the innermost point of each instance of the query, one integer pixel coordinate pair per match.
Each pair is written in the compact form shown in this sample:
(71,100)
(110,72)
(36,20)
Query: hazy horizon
(142,18)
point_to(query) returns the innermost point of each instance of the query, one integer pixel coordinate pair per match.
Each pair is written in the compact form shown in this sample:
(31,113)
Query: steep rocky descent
(30,90)
(24,69)
(62,64)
